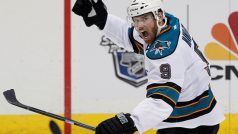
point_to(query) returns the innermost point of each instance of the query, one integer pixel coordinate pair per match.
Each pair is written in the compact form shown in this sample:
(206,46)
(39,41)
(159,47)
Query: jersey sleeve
(161,98)
(137,45)
(148,113)
(119,31)
(163,93)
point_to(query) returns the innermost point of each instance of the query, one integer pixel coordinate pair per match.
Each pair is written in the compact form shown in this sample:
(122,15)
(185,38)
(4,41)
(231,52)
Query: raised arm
(94,12)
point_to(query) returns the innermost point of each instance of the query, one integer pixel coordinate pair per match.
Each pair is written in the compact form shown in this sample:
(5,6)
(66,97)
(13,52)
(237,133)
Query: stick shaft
(11,98)
(56,117)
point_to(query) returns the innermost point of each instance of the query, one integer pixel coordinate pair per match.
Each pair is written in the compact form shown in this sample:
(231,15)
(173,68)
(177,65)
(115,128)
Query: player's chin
(148,40)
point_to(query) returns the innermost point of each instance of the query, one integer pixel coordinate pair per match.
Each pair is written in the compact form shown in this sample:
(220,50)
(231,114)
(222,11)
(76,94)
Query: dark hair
(160,10)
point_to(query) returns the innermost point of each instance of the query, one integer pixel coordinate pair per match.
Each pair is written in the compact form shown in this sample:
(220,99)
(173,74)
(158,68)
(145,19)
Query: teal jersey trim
(166,43)
(202,104)
(199,106)
(169,92)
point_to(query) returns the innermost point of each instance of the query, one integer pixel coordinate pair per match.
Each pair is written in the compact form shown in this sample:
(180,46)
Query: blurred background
(57,64)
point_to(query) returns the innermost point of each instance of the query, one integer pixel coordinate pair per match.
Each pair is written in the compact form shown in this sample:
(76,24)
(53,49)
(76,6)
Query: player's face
(146,25)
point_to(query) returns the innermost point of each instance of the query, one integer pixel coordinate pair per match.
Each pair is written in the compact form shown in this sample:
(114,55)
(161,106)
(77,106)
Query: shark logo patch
(160,46)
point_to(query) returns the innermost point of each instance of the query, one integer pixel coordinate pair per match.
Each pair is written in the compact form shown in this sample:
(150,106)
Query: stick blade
(10,96)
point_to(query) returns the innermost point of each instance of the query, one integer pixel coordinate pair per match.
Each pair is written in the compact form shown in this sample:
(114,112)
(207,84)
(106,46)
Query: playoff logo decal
(129,66)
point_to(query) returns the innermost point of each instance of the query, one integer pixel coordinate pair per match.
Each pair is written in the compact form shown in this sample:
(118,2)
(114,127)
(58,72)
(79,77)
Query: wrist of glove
(120,124)
(92,12)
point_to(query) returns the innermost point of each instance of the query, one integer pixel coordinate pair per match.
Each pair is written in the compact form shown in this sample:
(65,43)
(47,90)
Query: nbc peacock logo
(224,48)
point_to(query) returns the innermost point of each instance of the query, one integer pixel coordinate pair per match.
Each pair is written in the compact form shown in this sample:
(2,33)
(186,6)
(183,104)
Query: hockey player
(179,99)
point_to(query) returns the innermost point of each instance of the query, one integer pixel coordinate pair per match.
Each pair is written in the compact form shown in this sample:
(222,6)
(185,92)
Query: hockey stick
(11,98)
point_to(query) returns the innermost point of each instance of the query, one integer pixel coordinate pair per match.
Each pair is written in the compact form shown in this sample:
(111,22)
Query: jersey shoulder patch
(166,43)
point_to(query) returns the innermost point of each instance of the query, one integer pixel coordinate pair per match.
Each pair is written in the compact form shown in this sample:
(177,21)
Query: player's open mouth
(145,34)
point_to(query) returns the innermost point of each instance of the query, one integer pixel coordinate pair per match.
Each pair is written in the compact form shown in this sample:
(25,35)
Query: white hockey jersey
(178,91)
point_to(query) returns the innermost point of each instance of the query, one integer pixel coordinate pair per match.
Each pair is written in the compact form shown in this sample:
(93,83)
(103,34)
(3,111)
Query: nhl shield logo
(129,66)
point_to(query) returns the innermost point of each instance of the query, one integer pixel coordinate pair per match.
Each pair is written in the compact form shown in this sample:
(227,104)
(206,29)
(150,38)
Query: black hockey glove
(120,124)
(92,12)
